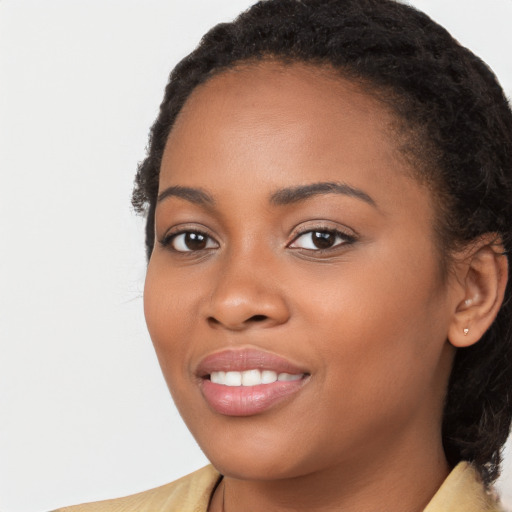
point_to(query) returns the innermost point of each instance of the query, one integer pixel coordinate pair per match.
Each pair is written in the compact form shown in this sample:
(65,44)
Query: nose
(247,296)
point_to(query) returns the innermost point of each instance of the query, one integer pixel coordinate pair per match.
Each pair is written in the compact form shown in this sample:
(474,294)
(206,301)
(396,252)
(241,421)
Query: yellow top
(462,491)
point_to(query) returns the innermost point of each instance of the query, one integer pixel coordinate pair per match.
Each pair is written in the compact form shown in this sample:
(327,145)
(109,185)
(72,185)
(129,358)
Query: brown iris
(195,241)
(323,239)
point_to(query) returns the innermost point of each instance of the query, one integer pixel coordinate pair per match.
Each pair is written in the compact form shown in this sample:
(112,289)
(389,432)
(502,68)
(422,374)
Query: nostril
(236,323)
(257,318)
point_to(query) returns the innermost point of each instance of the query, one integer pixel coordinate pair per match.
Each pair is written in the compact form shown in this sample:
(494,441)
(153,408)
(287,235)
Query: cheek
(168,304)
(379,324)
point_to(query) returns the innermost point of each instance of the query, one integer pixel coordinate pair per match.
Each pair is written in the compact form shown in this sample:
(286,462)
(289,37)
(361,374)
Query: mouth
(248,382)
(253,377)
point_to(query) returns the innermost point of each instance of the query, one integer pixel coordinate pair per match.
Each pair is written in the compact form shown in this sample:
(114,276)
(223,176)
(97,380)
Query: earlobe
(483,275)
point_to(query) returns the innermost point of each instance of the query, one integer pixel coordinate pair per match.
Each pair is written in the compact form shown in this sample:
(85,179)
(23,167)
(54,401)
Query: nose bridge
(247,290)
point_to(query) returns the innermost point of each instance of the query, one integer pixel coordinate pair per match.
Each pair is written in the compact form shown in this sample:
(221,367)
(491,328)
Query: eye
(321,239)
(189,241)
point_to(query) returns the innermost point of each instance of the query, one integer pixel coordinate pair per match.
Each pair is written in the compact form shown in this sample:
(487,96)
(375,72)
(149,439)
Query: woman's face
(292,243)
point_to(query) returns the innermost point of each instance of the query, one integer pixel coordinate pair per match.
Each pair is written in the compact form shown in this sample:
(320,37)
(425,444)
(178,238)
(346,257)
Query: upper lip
(245,359)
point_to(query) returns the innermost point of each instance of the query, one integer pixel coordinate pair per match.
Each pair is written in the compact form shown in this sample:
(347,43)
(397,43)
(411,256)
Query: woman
(328,191)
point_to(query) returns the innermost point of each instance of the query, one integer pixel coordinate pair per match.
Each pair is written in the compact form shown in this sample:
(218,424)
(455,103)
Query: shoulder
(463,491)
(188,494)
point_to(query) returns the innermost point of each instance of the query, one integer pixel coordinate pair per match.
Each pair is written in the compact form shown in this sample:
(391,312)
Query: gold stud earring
(466,331)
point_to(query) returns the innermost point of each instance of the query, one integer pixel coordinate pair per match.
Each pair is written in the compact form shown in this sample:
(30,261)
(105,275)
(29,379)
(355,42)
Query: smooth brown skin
(369,319)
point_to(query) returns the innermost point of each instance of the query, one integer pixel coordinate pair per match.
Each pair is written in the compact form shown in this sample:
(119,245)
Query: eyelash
(168,240)
(345,239)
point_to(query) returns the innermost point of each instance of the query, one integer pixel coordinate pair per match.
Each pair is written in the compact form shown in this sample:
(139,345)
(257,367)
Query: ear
(482,274)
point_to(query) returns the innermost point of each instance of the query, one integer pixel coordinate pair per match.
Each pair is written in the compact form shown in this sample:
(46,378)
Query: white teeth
(218,377)
(268,376)
(233,379)
(287,377)
(251,377)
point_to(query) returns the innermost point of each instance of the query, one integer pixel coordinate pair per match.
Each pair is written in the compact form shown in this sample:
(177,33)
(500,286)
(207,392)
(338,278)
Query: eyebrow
(281,197)
(193,195)
(296,194)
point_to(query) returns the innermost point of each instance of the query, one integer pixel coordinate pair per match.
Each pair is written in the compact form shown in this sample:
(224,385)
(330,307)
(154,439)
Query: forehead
(270,125)
(296,99)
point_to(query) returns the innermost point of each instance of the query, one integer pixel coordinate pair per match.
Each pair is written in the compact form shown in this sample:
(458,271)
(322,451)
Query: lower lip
(248,400)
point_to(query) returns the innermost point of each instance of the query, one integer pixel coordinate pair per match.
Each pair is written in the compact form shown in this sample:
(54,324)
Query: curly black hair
(459,127)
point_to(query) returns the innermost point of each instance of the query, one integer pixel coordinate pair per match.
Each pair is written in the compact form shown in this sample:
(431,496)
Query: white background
(84,412)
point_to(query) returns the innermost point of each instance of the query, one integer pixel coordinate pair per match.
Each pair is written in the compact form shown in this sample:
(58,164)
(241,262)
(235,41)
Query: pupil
(323,240)
(195,241)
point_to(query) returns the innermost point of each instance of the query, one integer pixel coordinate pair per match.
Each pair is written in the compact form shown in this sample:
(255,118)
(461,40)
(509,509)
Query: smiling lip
(253,399)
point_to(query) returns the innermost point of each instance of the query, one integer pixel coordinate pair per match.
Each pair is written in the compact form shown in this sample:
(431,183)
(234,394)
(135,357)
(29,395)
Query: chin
(255,468)
(258,453)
